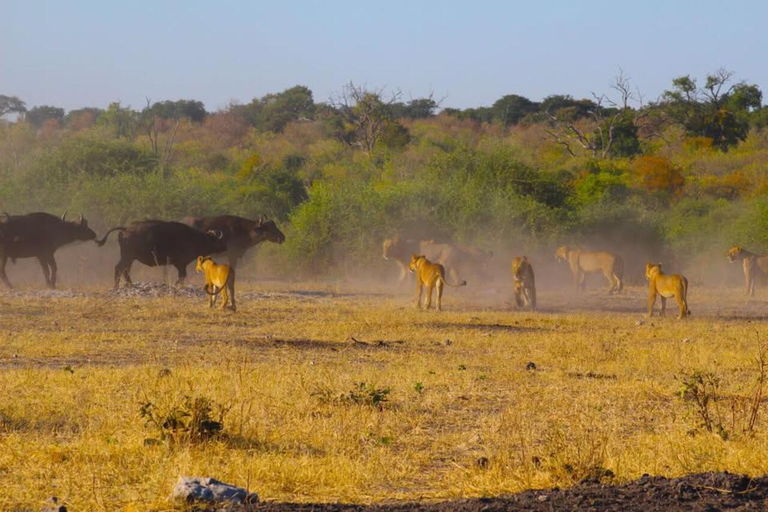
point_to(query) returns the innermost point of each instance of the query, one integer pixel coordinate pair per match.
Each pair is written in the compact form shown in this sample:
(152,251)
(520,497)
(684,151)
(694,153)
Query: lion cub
(218,279)
(525,283)
(432,275)
(666,286)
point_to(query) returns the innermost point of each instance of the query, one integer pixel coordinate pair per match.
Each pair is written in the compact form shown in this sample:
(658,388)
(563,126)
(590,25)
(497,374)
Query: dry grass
(75,372)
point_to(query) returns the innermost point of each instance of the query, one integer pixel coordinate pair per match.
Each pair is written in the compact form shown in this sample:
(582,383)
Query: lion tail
(230,276)
(454,285)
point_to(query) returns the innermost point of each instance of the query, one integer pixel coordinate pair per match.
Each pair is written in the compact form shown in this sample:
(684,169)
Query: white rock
(196,489)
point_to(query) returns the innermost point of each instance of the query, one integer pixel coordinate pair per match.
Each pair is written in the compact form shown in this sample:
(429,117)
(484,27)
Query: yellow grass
(75,371)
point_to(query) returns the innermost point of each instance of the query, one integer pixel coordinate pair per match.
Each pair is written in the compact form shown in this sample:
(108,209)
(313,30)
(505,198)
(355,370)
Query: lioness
(753,264)
(583,263)
(431,275)
(666,286)
(218,279)
(525,283)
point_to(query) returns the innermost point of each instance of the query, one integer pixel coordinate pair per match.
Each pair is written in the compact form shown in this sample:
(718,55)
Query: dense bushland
(340,177)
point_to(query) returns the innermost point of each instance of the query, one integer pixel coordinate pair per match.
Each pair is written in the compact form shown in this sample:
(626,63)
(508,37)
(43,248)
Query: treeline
(686,172)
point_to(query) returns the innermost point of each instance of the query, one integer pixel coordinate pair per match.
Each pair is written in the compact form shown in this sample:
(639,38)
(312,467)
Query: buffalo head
(216,241)
(79,229)
(266,230)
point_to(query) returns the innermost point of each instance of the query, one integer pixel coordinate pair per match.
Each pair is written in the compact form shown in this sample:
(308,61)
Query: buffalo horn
(64,215)
(80,219)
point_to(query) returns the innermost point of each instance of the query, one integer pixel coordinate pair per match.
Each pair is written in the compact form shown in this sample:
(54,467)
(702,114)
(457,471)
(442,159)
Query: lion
(218,279)
(583,263)
(666,286)
(432,275)
(525,283)
(455,258)
(399,250)
(754,265)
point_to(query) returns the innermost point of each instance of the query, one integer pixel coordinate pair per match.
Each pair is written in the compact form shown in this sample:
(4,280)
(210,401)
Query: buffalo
(156,242)
(240,234)
(39,235)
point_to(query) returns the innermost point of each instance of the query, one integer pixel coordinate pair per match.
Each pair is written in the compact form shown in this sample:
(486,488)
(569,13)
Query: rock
(686,340)
(640,322)
(210,490)
(52,505)
(542,498)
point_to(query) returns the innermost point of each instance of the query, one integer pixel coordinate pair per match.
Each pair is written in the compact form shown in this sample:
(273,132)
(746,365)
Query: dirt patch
(44,294)
(144,289)
(700,492)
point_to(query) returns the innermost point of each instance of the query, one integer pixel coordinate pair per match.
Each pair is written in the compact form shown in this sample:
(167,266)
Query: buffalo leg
(232,291)
(54,269)
(182,269)
(123,268)
(46,271)
(3,276)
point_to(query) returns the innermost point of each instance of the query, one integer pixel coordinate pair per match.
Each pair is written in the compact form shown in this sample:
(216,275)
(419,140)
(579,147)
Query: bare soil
(709,492)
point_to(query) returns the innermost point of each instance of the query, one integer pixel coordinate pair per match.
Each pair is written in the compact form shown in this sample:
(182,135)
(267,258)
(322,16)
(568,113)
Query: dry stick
(758,396)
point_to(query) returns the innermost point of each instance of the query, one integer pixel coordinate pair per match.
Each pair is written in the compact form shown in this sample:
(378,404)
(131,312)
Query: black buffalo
(157,242)
(38,235)
(240,234)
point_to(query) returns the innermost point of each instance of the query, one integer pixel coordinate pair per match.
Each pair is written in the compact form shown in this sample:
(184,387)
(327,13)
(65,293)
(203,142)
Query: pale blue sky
(87,53)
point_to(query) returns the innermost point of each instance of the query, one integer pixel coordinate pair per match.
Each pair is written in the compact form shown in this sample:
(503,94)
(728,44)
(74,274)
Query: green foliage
(39,115)
(10,105)
(181,109)
(273,112)
(510,109)
(123,122)
(192,420)
(716,110)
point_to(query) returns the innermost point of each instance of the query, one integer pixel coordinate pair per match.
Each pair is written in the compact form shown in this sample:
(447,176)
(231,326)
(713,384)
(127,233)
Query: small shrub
(702,390)
(367,394)
(194,419)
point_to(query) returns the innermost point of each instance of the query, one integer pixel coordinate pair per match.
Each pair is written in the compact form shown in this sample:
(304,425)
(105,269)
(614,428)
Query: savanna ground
(341,393)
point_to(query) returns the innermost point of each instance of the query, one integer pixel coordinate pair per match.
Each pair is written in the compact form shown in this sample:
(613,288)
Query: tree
(123,121)
(181,109)
(273,112)
(152,122)
(480,114)
(510,109)
(610,128)
(719,110)
(11,105)
(420,108)
(574,109)
(37,116)
(366,113)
